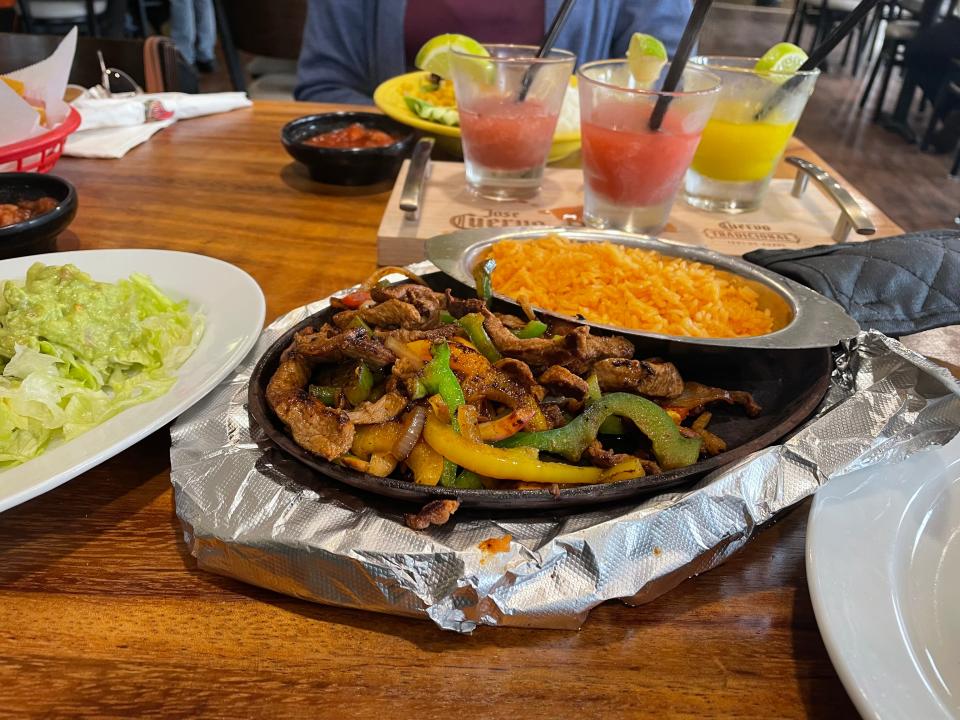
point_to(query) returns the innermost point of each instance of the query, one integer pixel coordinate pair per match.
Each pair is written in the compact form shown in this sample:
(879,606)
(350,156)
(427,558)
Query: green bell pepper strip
(533,329)
(439,378)
(613,425)
(593,388)
(448,478)
(357,322)
(327,394)
(446,318)
(359,387)
(483,278)
(473,324)
(469,480)
(671,449)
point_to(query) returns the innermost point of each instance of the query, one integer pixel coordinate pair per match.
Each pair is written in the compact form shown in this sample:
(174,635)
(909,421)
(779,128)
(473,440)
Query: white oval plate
(234,308)
(883,565)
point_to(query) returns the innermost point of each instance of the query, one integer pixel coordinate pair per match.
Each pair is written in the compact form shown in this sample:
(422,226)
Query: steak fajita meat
(587,348)
(427,302)
(535,352)
(356,343)
(644,377)
(458,307)
(437,512)
(520,372)
(602,458)
(392,313)
(386,408)
(406,336)
(695,396)
(322,430)
(563,382)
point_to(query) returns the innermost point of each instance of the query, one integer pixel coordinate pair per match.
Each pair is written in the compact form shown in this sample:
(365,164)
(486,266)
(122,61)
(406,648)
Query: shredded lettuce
(75,352)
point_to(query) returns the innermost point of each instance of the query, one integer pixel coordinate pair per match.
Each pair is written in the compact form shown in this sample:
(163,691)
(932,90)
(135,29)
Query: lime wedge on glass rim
(434,56)
(646,57)
(783,58)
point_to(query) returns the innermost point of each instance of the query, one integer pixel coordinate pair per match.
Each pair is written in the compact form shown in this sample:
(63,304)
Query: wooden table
(103,611)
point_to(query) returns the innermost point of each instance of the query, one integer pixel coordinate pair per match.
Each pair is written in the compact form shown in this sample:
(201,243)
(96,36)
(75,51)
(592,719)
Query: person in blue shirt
(351,46)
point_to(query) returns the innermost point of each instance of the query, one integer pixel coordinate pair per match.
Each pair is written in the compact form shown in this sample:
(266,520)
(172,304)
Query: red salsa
(352,136)
(13,213)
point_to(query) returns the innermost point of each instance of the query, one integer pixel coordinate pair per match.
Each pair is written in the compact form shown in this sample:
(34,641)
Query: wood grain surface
(103,612)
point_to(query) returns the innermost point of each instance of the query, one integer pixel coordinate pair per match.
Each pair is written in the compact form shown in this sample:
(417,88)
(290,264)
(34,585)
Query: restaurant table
(103,611)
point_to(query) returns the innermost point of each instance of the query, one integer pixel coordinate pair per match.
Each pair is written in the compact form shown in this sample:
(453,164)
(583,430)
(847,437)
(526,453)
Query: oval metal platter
(811,320)
(789,384)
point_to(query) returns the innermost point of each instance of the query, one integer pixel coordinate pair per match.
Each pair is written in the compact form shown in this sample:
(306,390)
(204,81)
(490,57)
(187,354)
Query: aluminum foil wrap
(252,513)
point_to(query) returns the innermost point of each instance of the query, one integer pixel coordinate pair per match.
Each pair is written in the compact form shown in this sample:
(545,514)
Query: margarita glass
(509,102)
(747,134)
(631,173)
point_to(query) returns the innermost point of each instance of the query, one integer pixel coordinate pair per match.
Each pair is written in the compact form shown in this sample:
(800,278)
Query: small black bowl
(348,166)
(38,234)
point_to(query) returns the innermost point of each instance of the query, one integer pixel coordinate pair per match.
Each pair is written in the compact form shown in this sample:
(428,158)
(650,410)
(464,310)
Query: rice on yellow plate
(389,97)
(628,287)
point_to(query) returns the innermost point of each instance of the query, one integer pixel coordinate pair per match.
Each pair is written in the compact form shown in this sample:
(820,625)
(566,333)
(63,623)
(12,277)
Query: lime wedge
(646,57)
(782,58)
(434,56)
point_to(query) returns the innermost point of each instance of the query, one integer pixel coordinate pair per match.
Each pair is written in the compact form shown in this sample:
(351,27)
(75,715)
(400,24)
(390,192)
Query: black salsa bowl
(38,234)
(348,166)
(788,384)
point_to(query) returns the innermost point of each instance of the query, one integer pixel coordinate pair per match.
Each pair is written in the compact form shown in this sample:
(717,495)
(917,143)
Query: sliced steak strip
(644,377)
(405,336)
(458,307)
(520,372)
(427,302)
(563,382)
(373,413)
(695,396)
(356,343)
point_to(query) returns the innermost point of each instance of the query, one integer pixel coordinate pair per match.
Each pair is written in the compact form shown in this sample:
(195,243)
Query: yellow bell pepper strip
(327,394)
(421,349)
(533,329)
(506,426)
(627,470)
(473,325)
(382,464)
(671,449)
(483,278)
(439,378)
(425,463)
(370,439)
(502,464)
(360,385)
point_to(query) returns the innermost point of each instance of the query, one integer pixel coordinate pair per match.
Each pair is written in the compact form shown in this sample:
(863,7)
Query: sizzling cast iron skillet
(788,384)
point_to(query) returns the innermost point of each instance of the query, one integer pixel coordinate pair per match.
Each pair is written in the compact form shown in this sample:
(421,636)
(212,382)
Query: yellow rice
(628,287)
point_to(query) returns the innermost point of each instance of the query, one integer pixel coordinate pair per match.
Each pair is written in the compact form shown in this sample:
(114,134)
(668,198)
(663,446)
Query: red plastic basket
(40,153)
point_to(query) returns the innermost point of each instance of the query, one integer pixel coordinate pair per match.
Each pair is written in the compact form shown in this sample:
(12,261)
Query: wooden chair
(267,29)
(153,63)
(823,15)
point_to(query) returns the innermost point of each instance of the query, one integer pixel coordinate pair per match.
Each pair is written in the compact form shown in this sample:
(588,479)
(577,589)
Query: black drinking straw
(818,55)
(689,38)
(546,46)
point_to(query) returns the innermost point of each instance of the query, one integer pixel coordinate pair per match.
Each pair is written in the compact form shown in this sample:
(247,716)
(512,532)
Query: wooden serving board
(783,222)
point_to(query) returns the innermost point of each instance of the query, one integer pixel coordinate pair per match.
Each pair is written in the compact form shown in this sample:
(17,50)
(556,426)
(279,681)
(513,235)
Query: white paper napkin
(111,127)
(43,81)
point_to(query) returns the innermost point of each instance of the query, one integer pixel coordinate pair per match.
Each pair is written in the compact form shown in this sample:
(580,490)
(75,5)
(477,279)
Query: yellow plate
(389,98)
